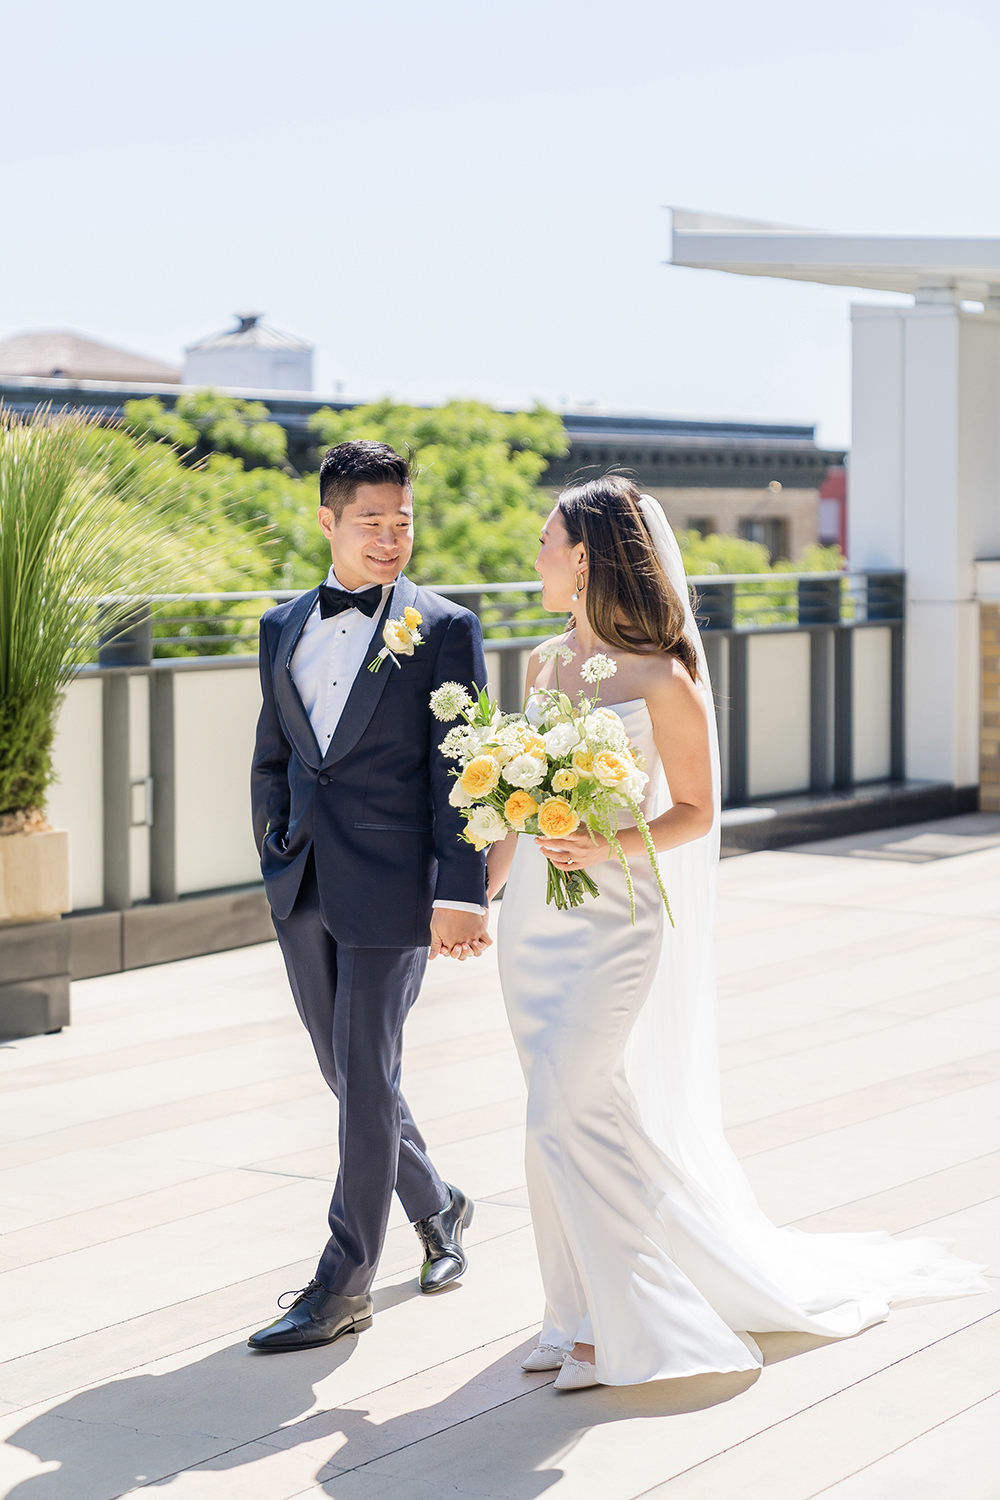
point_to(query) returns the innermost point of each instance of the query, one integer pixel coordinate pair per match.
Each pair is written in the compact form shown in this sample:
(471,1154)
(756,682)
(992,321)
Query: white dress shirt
(328,656)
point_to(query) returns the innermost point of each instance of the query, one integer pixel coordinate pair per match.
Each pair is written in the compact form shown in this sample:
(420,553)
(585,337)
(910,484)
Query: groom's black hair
(364,462)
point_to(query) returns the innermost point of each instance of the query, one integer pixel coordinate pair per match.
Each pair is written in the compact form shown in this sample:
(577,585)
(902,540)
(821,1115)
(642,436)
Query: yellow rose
(610,769)
(583,762)
(519,807)
(413,617)
(532,744)
(564,781)
(556,818)
(480,776)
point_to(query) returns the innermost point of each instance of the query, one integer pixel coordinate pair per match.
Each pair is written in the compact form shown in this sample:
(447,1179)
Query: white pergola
(925,452)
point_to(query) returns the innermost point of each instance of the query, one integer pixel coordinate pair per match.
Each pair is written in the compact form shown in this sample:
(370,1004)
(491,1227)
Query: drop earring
(581,584)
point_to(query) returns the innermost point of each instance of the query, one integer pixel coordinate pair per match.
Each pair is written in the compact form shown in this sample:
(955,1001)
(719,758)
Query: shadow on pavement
(144,1430)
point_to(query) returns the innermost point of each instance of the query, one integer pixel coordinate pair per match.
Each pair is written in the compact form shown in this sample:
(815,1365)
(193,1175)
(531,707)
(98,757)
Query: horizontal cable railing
(217,624)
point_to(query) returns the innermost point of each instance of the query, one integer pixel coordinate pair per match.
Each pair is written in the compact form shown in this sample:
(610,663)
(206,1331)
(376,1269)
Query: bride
(655,1258)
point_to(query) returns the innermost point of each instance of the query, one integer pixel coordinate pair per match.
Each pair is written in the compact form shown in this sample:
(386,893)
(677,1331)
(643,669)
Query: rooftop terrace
(167,1167)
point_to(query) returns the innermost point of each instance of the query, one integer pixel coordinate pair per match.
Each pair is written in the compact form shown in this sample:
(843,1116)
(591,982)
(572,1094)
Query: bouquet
(546,771)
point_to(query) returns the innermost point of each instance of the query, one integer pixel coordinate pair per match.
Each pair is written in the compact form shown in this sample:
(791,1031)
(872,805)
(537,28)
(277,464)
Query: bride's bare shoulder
(668,683)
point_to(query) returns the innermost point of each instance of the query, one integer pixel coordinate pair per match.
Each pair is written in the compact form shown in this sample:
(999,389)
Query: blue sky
(455,198)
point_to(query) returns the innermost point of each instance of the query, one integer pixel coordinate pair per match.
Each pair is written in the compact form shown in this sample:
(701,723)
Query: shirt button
(323,780)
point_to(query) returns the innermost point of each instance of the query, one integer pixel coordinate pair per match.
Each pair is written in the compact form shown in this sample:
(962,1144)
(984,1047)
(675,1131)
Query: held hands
(458,934)
(575,851)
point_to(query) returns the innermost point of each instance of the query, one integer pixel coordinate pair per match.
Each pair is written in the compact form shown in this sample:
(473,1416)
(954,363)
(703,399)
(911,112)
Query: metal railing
(223,624)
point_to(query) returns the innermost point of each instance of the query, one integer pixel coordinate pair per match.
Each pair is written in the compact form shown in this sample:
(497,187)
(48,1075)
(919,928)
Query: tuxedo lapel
(293,711)
(369,686)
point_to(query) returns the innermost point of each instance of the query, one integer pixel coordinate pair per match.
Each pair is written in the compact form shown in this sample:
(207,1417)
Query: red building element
(833,509)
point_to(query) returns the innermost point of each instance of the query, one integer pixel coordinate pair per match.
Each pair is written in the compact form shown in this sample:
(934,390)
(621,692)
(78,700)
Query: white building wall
(250,368)
(215,719)
(76,799)
(778,713)
(925,497)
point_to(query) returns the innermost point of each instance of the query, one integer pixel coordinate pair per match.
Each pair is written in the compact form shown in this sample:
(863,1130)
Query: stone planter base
(34,978)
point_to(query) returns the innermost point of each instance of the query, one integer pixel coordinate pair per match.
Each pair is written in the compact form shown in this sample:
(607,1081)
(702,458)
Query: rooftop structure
(61,354)
(250,356)
(931,267)
(925,463)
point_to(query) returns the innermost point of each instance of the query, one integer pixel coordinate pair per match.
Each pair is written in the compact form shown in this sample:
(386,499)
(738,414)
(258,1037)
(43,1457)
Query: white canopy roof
(969,265)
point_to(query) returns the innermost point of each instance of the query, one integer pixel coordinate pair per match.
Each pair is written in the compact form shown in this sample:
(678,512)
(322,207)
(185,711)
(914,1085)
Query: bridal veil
(832,1284)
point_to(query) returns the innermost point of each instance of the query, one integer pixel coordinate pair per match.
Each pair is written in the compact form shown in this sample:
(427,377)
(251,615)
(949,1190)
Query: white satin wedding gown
(658,1258)
(651,1244)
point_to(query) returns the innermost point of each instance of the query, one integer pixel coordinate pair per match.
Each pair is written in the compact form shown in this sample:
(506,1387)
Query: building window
(703,525)
(769,531)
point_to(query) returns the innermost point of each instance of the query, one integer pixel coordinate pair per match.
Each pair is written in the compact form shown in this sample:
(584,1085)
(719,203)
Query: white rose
(562,739)
(634,784)
(525,771)
(486,826)
(535,710)
(459,798)
(398,638)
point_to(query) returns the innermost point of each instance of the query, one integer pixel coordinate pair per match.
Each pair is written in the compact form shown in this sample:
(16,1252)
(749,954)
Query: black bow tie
(334,601)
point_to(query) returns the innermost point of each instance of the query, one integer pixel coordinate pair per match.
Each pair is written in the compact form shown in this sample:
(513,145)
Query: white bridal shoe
(544,1357)
(575,1374)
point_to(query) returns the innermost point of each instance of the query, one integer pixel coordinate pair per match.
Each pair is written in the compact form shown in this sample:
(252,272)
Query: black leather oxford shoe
(315,1317)
(441,1237)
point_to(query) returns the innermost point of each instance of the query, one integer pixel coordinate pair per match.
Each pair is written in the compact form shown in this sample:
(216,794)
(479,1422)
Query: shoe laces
(304,1291)
(422,1226)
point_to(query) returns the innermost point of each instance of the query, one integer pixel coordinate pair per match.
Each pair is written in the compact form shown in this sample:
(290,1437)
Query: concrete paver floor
(166,1167)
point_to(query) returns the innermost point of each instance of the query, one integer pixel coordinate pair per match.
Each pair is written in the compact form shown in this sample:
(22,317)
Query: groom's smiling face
(372,540)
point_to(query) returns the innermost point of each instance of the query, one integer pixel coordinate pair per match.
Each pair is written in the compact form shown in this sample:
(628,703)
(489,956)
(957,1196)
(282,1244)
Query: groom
(363,865)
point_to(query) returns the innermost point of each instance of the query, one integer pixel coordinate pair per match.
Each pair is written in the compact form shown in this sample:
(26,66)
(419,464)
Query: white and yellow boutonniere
(401,637)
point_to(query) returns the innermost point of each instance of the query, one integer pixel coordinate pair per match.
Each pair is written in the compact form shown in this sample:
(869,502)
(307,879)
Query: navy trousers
(353,1002)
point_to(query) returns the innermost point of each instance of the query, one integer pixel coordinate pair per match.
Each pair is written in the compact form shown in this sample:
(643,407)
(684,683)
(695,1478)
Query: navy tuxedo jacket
(374,808)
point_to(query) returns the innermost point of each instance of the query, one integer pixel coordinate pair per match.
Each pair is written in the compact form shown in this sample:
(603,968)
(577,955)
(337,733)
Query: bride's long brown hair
(629,599)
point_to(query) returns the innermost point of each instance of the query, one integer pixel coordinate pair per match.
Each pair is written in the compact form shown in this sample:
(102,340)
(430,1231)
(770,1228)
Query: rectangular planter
(34,978)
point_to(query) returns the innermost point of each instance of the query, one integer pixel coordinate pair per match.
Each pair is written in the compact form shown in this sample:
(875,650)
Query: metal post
(716,654)
(162,838)
(897,719)
(820,716)
(128,642)
(843,707)
(511,680)
(739,721)
(117,793)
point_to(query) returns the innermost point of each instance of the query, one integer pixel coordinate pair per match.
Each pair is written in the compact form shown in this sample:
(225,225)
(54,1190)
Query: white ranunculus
(525,771)
(486,826)
(561,739)
(459,797)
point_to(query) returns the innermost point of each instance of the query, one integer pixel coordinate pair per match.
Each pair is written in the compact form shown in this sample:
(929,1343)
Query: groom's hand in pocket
(458,934)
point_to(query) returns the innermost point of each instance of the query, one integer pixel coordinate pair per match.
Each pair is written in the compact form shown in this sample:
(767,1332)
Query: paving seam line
(943,1423)
(772,1426)
(125,1370)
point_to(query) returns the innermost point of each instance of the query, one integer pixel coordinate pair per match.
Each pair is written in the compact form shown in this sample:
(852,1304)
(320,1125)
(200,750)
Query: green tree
(88,525)
(205,422)
(476,492)
(721,553)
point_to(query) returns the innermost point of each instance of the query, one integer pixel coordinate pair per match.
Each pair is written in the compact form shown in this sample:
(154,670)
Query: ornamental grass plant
(79,546)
